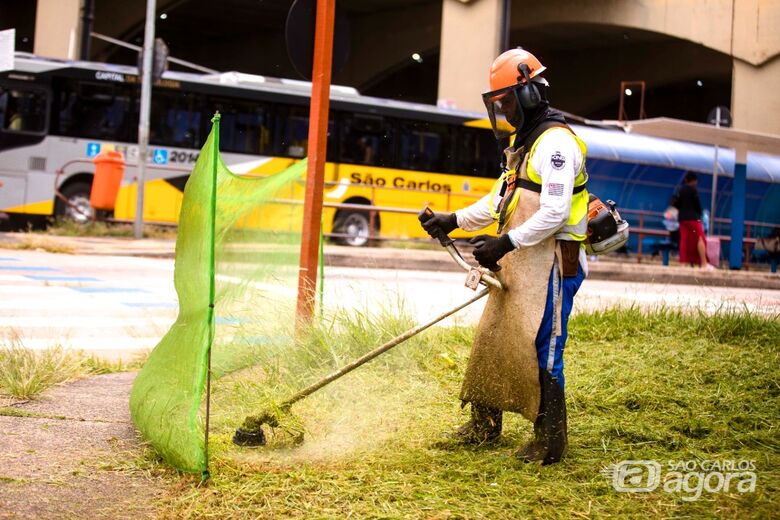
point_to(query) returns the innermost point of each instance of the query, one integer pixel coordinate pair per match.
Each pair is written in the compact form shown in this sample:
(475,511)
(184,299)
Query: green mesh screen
(237,248)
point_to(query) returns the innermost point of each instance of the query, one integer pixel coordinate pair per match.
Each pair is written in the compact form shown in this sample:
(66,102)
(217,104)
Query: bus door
(23,123)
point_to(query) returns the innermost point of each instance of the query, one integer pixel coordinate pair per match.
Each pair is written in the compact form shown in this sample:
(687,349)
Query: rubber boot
(554,420)
(535,450)
(484,426)
(550,427)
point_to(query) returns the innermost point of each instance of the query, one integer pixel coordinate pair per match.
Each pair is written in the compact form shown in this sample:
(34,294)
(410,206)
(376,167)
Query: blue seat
(763,256)
(662,246)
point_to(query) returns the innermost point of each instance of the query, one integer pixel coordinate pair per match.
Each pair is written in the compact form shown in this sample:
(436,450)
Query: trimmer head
(286,430)
(249,438)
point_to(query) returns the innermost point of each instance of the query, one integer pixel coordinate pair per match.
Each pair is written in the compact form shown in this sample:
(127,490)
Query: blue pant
(549,348)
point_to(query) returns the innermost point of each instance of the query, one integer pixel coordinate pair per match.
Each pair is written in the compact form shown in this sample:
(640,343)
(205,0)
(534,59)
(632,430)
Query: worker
(540,203)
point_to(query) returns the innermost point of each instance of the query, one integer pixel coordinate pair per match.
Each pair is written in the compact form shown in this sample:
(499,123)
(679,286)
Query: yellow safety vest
(576,227)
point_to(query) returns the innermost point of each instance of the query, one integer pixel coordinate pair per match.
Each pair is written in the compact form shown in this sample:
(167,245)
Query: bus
(386,159)
(380,152)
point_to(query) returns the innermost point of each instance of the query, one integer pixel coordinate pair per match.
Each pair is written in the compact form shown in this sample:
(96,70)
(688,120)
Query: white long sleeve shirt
(557,158)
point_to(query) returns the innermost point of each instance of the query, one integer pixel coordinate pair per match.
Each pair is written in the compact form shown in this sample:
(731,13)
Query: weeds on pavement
(26,373)
(31,241)
(71,228)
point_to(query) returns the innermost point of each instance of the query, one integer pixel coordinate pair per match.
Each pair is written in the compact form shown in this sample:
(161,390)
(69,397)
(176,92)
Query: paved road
(104,304)
(117,305)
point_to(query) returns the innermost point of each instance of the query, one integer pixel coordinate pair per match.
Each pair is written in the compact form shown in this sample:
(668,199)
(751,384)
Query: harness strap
(511,185)
(508,192)
(530,185)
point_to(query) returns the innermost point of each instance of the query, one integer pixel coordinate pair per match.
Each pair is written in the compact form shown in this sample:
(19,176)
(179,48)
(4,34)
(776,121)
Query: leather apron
(503,371)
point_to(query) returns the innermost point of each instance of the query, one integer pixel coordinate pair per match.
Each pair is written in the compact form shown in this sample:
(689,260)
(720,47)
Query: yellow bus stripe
(45,207)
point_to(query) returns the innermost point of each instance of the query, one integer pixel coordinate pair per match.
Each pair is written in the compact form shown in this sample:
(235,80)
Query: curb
(600,270)
(434,260)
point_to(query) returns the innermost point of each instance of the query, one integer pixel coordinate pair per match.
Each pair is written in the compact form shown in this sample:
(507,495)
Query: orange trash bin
(109,170)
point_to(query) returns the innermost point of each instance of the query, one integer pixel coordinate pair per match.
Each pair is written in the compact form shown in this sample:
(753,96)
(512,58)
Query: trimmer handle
(495,267)
(476,275)
(425,215)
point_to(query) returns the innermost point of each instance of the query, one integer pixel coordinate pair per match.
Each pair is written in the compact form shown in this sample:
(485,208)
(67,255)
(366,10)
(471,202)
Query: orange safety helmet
(504,72)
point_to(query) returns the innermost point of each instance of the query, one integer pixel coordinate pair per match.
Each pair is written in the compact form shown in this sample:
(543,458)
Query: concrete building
(692,55)
(680,40)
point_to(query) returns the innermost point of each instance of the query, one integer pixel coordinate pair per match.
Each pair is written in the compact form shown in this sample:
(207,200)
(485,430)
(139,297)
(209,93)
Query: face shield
(504,111)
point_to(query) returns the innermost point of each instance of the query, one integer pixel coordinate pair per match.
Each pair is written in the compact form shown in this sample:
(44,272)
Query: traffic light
(159,60)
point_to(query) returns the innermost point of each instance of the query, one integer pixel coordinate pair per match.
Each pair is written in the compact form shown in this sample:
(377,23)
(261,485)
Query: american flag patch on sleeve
(555,189)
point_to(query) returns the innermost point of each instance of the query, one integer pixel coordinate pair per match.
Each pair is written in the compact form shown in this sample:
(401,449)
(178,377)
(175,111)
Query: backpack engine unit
(607,232)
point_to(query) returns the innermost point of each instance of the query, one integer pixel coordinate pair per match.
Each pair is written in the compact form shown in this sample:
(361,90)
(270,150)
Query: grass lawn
(659,386)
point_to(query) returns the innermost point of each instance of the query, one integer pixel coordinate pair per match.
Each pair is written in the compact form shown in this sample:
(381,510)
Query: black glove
(445,222)
(489,250)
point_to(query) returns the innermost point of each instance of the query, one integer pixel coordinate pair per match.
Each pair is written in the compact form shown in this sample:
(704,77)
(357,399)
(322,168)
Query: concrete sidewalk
(64,454)
(608,268)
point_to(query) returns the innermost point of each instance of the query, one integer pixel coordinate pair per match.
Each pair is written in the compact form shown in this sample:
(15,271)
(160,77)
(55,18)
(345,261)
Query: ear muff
(527,94)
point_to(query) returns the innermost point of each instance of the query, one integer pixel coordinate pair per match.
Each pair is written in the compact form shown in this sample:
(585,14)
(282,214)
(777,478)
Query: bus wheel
(355,225)
(77,209)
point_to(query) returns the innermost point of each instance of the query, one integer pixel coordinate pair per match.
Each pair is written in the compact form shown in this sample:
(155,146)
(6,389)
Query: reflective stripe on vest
(576,227)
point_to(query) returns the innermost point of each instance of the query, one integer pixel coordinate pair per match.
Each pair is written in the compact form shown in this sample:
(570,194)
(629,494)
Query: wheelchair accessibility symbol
(160,156)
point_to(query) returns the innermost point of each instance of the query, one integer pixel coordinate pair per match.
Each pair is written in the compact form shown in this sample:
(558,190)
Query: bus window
(292,125)
(22,110)
(366,139)
(245,126)
(96,111)
(175,119)
(477,153)
(424,146)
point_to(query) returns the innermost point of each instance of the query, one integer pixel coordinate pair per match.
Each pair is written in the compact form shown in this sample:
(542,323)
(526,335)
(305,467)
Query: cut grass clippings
(660,386)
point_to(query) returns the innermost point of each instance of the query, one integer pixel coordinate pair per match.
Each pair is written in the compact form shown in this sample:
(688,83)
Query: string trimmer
(251,431)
